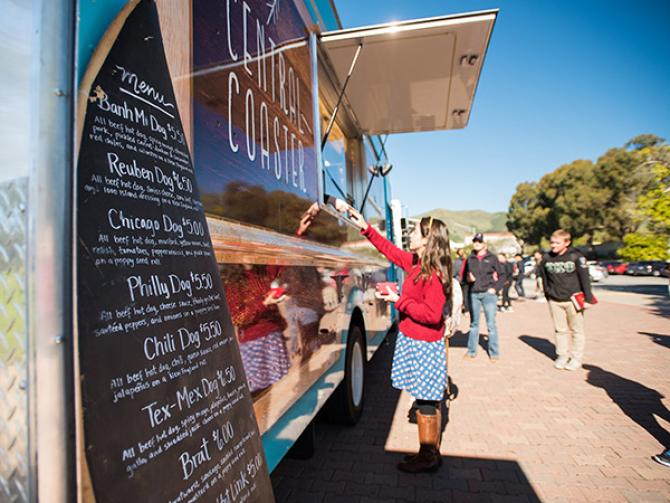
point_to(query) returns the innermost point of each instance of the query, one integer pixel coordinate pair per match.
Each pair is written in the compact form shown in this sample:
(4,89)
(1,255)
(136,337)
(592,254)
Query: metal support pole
(367,190)
(331,122)
(50,381)
(316,113)
(390,233)
(383,144)
(337,186)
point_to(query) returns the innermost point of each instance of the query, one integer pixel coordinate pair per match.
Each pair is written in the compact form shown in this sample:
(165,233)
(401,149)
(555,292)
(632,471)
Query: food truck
(179,299)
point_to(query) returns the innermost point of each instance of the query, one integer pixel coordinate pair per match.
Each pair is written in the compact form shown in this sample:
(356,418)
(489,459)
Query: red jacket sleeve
(428,312)
(399,257)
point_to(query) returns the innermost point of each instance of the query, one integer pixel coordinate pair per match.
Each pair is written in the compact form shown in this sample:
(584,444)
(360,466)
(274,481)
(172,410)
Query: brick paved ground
(518,429)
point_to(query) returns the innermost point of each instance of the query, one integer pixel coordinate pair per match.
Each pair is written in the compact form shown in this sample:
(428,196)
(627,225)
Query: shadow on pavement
(660,339)
(661,306)
(635,400)
(656,290)
(541,345)
(660,303)
(460,340)
(351,465)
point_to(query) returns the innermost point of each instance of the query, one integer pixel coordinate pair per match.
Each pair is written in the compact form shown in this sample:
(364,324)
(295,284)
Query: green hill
(465,223)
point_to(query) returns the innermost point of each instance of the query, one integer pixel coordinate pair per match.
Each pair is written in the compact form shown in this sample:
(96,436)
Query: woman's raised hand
(357,219)
(354,216)
(307,218)
(341,206)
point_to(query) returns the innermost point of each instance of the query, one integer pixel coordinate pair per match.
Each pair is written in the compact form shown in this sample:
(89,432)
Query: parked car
(614,266)
(528,265)
(597,272)
(646,268)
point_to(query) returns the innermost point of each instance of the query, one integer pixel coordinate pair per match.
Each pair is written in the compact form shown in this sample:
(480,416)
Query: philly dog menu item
(167,414)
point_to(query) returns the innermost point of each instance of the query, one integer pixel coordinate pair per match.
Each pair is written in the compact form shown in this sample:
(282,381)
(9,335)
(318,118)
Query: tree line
(623,197)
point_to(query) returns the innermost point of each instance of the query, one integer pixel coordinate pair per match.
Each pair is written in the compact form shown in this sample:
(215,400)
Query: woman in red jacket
(419,361)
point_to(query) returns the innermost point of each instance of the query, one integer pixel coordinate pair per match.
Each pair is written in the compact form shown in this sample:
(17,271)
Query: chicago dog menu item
(167,414)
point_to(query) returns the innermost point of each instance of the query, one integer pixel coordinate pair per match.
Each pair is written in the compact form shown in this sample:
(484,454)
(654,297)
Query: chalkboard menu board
(166,411)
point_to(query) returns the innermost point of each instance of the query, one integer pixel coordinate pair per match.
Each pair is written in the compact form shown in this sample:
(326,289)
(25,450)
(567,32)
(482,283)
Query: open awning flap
(416,75)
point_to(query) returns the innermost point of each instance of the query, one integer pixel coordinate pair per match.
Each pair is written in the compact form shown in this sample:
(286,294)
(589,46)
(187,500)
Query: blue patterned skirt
(265,360)
(419,367)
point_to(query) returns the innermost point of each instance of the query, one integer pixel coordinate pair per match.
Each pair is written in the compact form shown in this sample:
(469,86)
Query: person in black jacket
(506,279)
(483,273)
(564,273)
(518,275)
(459,274)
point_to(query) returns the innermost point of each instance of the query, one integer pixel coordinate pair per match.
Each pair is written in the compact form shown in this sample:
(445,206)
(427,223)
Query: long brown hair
(436,257)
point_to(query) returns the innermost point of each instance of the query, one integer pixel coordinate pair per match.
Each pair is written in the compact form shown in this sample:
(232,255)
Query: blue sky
(562,80)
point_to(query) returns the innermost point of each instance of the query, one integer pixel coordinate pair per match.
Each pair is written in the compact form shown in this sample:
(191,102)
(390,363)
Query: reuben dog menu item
(166,410)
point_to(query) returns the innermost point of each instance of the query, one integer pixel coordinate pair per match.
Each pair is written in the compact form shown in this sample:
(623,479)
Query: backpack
(453,309)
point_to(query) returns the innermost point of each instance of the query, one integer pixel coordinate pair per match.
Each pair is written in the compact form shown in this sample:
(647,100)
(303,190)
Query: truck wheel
(346,404)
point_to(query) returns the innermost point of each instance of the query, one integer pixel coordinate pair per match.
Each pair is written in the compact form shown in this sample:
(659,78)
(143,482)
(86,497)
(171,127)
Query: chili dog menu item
(167,413)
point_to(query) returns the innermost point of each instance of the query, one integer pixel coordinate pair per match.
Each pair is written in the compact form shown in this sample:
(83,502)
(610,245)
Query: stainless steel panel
(13,342)
(49,255)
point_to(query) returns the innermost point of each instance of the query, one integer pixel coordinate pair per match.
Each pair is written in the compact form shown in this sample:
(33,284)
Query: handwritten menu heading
(167,412)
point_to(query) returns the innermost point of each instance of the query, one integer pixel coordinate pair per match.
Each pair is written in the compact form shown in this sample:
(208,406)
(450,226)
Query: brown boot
(428,459)
(438,444)
(438,414)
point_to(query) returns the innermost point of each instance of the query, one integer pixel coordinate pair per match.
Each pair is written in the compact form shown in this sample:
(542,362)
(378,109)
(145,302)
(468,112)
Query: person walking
(459,268)
(539,287)
(483,273)
(419,360)
(663,458)
(564,273)
(507,271)
(518,275)
(458,264)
